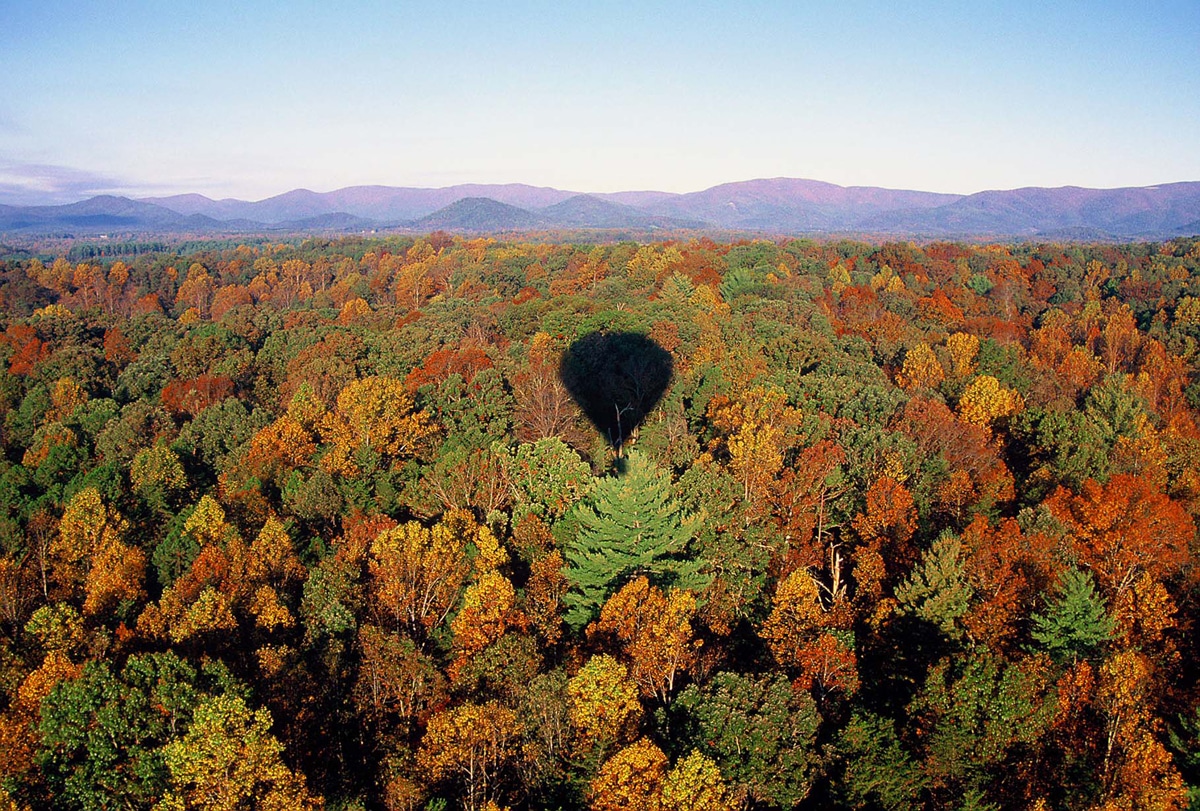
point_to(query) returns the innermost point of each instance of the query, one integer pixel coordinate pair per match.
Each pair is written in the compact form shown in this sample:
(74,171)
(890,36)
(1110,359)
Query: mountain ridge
(776,206)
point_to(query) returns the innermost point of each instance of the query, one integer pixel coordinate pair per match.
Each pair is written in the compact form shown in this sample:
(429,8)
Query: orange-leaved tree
(1123,528)
(655,632)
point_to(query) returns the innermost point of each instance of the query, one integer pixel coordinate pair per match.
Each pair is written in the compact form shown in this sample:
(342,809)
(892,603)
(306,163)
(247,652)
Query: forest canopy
(432,523)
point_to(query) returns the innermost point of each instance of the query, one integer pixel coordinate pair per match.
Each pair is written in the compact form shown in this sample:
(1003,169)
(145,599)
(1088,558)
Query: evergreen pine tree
(631,525)
(1074,623)
(937,590)
(1184,738)
(880,771)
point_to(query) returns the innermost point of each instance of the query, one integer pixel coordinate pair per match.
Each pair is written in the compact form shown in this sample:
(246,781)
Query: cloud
(48,184)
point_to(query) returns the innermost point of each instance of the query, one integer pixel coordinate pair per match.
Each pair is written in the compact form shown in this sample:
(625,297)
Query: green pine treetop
(1075,623)
(631,525)
(937,590)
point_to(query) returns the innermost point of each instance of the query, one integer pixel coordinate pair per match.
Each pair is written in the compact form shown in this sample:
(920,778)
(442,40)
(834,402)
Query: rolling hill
(479,214)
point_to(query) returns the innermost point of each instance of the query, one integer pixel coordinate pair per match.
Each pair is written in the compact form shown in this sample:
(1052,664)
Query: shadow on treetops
(616,378)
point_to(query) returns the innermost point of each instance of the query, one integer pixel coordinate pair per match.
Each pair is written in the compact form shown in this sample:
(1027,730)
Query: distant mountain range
(780,206)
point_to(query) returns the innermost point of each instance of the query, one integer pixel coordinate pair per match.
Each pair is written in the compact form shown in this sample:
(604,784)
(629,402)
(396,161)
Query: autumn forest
(433,523)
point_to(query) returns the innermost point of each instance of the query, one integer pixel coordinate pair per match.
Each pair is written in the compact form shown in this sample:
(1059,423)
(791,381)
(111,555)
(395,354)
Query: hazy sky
(251,99)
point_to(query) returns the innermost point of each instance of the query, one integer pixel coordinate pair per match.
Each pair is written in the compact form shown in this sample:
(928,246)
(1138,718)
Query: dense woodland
(285,526)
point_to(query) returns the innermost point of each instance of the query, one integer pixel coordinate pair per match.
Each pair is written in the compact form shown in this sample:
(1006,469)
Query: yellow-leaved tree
(374,414)
(631,780)
(1137,770)
(602,703)
(489,608)
(986,400)
(695,784)
(637,779)
(796,633)
(90,552)
(962,347)
(262,573)
(755,430)
(417,573)
(921,369)
(471,745)
(228,760)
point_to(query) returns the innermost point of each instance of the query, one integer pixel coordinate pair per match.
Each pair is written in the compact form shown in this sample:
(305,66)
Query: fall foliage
(326,523)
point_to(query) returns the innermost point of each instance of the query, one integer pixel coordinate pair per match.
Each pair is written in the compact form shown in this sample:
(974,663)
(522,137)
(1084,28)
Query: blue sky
(253,99)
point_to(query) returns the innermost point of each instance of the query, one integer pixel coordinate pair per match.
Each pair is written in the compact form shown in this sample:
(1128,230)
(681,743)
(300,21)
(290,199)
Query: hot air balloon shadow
(616,379)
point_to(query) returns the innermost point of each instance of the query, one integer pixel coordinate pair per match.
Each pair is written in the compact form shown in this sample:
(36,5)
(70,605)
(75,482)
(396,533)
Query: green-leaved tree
(937,589)
(630,525)
(1074,623)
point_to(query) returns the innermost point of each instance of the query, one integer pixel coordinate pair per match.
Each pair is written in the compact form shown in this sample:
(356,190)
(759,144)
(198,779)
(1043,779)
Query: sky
(252,99)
